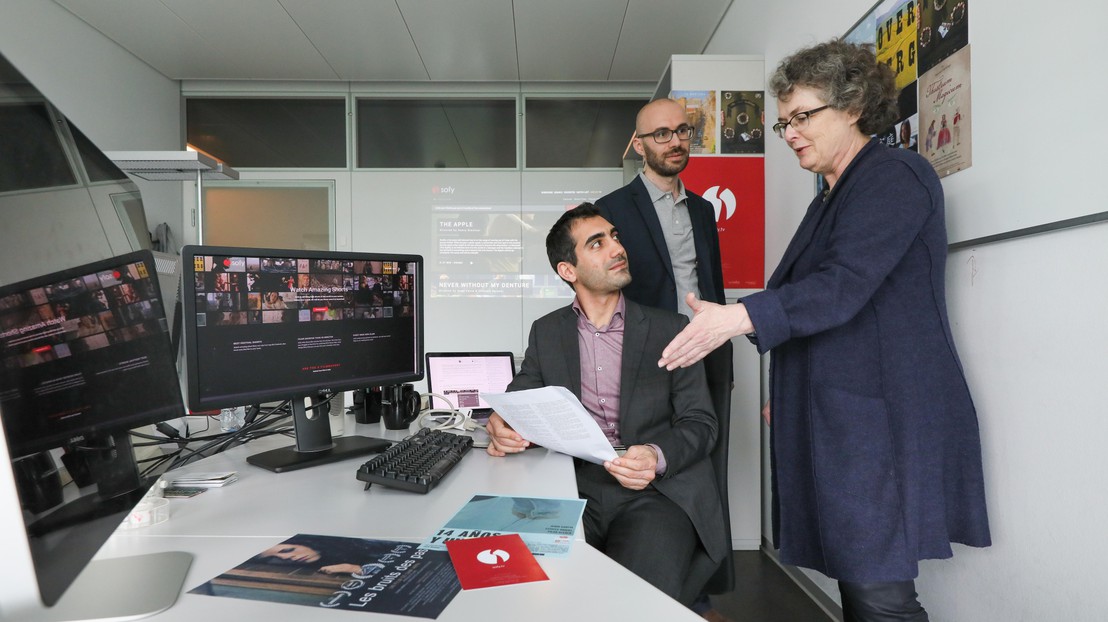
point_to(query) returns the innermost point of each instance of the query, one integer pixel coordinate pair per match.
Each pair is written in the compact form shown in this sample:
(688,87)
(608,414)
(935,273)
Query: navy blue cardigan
(876,451)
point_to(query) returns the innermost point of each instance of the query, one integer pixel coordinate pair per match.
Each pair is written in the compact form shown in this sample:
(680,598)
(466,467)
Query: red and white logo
(735,186)
(492,558)
(722,201)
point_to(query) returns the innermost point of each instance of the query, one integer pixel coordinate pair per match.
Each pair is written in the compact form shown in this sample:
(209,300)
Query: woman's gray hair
(848,77)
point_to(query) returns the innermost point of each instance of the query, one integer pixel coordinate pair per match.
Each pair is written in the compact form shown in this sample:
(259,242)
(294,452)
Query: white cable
(445,418)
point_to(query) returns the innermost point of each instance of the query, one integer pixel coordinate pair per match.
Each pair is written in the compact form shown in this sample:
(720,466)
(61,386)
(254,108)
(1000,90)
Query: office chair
(718,368)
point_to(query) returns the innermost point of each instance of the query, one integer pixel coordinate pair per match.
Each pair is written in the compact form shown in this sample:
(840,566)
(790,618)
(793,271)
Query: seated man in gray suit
(655,510)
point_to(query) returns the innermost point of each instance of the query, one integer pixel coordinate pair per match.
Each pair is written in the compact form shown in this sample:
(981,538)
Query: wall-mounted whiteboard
(1037,133)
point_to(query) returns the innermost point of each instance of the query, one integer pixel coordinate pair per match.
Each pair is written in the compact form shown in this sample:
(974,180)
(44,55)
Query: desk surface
(329,497)
(225,526)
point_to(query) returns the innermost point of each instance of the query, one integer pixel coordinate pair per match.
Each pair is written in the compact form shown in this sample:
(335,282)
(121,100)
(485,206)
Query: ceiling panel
(150,31)
(259,34)
(653,31)
(568,39)
(406,40)
(361,39)
(470,40)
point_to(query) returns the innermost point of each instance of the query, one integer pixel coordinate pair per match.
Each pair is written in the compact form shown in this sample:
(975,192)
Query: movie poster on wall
(945,115)
(943,30)
(891,27)
(864,30)
(904,134)
(742,121)
(700,106)
(934,109)
(896,41)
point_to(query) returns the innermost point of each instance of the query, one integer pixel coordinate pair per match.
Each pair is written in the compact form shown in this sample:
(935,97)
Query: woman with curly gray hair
(876,452)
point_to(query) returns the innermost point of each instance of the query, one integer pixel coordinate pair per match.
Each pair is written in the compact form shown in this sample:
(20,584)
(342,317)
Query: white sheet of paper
(554,418)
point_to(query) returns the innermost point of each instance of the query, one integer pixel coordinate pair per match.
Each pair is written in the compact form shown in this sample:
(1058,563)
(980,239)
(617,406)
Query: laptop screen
(464,377)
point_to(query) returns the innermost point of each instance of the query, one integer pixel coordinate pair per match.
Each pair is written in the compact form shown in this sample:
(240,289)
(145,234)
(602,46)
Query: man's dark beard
(658,163)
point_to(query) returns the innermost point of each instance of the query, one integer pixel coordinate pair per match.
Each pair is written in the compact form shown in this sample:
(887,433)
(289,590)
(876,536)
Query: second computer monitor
(264,325)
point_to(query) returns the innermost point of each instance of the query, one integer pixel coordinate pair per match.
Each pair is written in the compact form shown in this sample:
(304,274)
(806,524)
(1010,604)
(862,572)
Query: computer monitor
(463,377)
(264,325)
(84,357)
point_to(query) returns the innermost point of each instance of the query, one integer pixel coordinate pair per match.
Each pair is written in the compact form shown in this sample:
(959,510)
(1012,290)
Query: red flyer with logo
(493,561)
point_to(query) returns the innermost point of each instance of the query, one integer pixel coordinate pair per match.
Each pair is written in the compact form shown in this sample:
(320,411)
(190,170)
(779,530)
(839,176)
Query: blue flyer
(546,525)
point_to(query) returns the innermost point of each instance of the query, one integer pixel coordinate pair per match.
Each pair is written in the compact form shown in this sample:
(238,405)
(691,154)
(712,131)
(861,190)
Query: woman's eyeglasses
(798,121)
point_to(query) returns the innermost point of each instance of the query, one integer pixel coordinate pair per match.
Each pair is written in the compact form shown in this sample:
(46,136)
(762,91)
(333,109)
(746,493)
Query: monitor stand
(314,445)
(121,588)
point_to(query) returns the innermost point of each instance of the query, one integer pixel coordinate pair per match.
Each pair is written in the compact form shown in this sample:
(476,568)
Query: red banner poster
(737,189)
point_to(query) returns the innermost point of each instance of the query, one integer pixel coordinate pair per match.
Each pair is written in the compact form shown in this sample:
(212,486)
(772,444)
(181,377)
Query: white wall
(1025,312)
(119,102)
(1028,317)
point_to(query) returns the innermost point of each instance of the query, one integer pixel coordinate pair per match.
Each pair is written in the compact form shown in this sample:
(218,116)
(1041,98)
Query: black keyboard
(416,463)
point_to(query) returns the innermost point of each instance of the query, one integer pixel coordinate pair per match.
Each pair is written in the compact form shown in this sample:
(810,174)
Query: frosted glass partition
(483,238)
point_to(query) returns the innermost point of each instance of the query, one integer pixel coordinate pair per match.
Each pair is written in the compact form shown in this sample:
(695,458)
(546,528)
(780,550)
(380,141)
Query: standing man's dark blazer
(632,213)
(670,409)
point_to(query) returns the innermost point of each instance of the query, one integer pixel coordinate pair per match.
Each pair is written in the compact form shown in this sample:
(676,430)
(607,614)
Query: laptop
(464,376)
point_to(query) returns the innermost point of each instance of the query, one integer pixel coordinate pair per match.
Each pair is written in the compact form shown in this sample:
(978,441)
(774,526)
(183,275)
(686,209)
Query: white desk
(223,527)
(330,498)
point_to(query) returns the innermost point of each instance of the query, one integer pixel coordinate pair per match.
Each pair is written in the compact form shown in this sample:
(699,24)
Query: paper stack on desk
(204,480)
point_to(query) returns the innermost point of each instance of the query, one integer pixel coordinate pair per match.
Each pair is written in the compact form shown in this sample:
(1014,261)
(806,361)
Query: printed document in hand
(554,418)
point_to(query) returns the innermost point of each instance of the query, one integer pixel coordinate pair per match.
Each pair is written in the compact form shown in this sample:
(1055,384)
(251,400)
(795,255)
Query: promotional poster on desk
(354,574)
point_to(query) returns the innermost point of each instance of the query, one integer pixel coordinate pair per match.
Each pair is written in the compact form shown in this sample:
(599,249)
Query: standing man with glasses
(672,243)
(670,233)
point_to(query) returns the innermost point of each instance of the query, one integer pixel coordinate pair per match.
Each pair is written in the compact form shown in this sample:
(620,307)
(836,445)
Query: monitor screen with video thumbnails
(265,325)
(84,358)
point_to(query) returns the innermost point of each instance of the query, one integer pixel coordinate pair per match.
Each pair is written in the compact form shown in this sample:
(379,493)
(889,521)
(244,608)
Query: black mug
(399,405)
(369,408)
